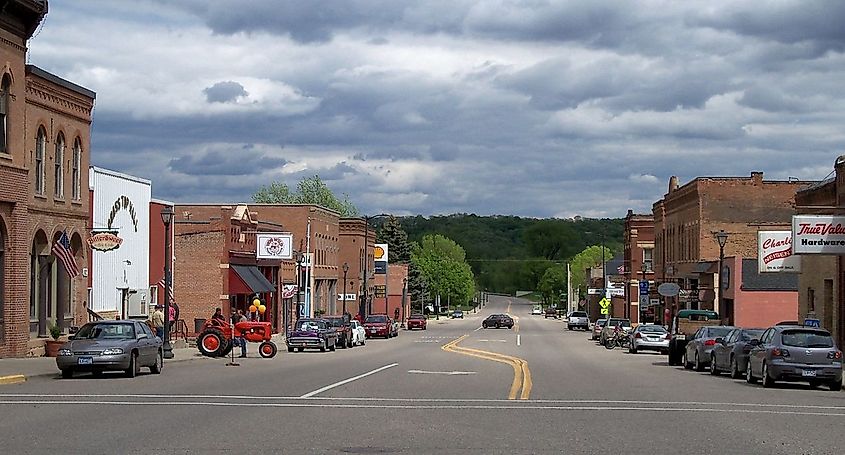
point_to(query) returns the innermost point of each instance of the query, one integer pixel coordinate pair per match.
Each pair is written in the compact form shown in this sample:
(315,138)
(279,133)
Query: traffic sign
(812,323)
(593,291)
(643,287)
(604,303)
(644,300)
(605,311)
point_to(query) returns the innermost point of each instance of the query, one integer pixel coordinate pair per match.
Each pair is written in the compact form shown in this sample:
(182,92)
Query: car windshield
(601,322)
(807,339)
(748,335)
(652,329)
(377,319)
(579,314)
(310,325)
(715,332)
(417,316)
(623,322)
(335,322)
(106,332)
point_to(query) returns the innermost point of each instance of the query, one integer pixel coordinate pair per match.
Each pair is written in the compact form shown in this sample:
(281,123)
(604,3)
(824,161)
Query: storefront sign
(274,245)
(774,252)
(818,234)
(104,241)
(288,291)
(380,257)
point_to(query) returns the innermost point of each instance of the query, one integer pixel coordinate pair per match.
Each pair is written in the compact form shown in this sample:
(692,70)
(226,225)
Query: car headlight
(65,352)
(113,351)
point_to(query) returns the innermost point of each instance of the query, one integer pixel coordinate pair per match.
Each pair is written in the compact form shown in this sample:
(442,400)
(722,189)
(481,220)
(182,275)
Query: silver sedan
(111,345)
(649,338)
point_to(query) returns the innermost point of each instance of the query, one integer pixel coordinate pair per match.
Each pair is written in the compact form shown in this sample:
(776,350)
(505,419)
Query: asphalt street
(454,388)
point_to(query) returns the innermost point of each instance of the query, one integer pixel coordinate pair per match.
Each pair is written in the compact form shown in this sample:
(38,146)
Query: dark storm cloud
(224,92)
(228,162)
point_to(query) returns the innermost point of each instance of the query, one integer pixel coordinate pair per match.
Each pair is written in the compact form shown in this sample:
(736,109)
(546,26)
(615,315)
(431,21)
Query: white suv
(578,319)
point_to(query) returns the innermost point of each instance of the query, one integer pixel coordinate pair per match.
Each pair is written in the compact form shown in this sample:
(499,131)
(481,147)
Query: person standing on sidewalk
(157,319)
(241,340)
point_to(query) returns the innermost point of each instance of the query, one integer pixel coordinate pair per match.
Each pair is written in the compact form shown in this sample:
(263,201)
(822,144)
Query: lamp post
(345,271)
(722,238)
(404,296)
(167,219)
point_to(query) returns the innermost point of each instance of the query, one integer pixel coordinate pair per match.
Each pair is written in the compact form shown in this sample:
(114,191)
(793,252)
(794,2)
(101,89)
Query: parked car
(597,327)
(649,337)
(312,334)
(795,353)
(551,312)
(731,352)
(457,314)
(537,310)
(380,325)
(607,330)
(111,345)
(417,321)
(359,333)
(341,326)
(684,325)
(497,320)
(697,350)
(578,320)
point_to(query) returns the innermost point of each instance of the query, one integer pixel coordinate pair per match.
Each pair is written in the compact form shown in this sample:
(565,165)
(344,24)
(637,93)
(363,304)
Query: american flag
(161,285)
(61,249)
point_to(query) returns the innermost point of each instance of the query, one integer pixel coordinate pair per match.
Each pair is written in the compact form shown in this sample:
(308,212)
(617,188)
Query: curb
(12,379)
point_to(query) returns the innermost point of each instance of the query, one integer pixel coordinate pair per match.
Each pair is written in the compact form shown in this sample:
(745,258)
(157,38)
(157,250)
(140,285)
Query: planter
(51,347)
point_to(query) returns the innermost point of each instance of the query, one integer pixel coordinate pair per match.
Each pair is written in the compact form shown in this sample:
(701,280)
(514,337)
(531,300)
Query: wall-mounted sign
(349,297)
(288,291)
(380,256)
(274,245)
(104,241)
(818,234)
(123,203)
(774,252)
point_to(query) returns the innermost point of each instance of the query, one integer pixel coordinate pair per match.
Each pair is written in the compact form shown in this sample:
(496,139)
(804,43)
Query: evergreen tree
(391,233)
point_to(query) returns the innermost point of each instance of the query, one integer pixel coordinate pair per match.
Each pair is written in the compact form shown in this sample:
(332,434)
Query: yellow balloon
(262,309)
(256,302)
(252,308)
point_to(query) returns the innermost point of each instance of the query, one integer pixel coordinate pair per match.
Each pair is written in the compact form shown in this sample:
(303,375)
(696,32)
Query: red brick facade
(639,264)
(45,117)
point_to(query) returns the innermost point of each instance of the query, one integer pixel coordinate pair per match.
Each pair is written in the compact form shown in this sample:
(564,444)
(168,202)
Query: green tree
(396,238)
(442,263)
(309,190)
(590,257)
(553,284)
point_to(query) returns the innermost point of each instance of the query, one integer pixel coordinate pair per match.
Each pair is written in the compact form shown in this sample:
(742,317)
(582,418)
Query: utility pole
(568,289)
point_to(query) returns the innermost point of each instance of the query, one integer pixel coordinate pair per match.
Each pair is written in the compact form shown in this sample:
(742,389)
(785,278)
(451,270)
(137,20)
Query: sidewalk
(14,370)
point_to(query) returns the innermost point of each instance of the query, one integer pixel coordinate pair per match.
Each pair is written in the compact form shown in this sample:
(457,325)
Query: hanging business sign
(104,241)
(288,291)
(774,252)
(818,234)
(274,245)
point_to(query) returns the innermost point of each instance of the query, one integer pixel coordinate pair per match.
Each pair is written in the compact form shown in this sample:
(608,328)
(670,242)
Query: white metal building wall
(127,266)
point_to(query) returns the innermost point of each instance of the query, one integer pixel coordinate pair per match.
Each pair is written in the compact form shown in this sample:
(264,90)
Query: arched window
(76,180)
(5,89)
(59,165)
(40,150)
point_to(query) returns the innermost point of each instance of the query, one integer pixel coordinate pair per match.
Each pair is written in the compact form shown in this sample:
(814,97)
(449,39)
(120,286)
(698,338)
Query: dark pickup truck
(343,329)
(312,334)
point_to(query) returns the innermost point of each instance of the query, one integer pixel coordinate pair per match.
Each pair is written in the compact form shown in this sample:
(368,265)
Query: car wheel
(67,374)
(767,380)
(835,386)
(735,374)
(156,367)
(697,365)
(132,371)
(713,370)
(749,376)
(687,365)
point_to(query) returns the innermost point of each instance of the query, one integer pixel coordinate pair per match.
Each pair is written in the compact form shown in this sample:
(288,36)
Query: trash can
(198,322)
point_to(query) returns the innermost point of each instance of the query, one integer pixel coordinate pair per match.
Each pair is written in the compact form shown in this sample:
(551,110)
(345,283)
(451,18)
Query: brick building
(156,260)
(44,156)
(759,299)
(352,238)
(396,303)
(687,218)
(820,284)
(638,240)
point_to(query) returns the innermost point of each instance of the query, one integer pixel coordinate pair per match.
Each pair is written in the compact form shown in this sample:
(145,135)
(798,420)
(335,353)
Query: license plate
(680,337)
(809,373)
(84,361)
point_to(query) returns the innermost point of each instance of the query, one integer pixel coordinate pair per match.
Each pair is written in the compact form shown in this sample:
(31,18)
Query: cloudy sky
(539,108)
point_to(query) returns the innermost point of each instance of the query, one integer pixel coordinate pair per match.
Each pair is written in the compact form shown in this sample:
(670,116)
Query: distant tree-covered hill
(508,253)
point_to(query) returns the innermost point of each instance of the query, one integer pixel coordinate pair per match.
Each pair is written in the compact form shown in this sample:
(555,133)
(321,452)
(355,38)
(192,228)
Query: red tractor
(215,338)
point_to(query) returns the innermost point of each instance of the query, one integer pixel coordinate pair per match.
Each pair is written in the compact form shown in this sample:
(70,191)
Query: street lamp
(167,219)
(345,271)
(722,238)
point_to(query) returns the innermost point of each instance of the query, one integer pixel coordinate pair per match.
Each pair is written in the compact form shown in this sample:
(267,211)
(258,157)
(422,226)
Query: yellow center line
(521,372)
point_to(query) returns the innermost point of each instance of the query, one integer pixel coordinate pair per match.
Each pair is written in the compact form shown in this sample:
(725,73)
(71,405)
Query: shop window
(76,176)
(5,95)
(648,259)
(40,149)
(59,177)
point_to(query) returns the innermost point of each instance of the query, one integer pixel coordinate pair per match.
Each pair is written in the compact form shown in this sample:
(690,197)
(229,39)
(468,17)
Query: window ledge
(40,196)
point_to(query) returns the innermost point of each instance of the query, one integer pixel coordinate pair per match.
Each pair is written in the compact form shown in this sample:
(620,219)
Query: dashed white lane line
(448,373)
(347,381)
(518,340)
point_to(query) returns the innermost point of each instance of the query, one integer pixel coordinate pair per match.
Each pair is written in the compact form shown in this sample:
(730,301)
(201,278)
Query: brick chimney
(757,177)
(673,183)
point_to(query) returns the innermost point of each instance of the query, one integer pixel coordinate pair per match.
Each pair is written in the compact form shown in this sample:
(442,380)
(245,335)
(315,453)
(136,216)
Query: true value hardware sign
(774,252)
(818,234)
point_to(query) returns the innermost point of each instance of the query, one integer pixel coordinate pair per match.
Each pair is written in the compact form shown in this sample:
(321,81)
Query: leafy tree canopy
(309,190)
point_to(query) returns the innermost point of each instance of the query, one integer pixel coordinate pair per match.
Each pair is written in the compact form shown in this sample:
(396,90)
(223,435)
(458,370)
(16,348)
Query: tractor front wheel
(267,349)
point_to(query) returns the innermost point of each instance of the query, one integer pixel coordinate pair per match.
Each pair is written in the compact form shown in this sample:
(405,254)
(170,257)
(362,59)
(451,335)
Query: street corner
(12,379)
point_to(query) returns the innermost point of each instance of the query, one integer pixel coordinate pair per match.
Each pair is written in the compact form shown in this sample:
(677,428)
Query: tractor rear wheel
(212,343)
(267,349)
